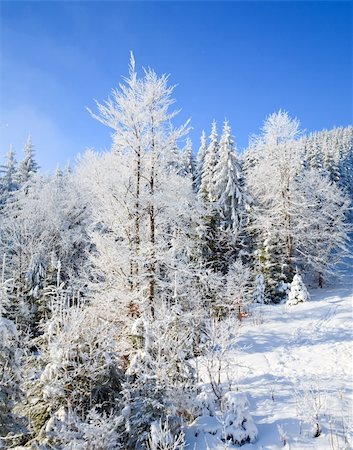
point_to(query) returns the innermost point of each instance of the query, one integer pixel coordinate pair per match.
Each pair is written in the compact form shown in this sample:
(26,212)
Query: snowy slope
(295,363)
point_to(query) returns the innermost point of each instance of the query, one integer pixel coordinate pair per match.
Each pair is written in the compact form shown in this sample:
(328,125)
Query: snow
(295,365)
(298,292)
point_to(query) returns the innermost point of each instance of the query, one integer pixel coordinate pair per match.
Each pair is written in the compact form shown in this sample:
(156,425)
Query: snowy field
(296,366)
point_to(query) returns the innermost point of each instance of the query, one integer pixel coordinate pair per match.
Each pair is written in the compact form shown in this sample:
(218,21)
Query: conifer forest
(167,294)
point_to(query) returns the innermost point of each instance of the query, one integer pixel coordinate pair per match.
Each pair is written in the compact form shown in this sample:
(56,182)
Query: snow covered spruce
(232,425)
(298,291)
(130,283)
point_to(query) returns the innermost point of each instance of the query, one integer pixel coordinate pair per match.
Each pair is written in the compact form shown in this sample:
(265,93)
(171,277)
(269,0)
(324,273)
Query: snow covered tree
(200,158)
(162,437)
(228,183)
(161,381)
(323,236)
(239,426)
(220,337)
(259,291)
(293,205)
(271,184)
(7,178)
(187,159)
(76,369)
(43,233)
(207,185)
(143,142)
(69,431)
(238,292)
(209,230)
(10,363)
(28,166)
(298,291)
(10,376)
(232,426)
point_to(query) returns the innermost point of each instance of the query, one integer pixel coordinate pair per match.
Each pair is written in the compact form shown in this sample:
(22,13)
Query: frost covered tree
(152,199)
(298,292)
(239,426)
(285,215)
(321,240)
(145,216)
(221,336)
(43,232)
(207,183)
(187,160)
(75,370)
(28,166)
(161,379)
(10,376)
(8,178)
(209,230)
(331,152)
(232,426)
(228,183)
(200,160)
(237,296)
(69,431)
(271,185)
(163,438)
(259,291)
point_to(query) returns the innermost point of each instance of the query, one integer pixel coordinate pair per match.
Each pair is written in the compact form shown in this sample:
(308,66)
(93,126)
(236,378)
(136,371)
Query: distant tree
(28,166)
(271,185)
(207,186)
(8,177)
(288,198)
(200,160)
(188,163)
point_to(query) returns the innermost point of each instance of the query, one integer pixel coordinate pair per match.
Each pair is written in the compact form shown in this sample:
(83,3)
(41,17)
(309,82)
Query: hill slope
(296,365)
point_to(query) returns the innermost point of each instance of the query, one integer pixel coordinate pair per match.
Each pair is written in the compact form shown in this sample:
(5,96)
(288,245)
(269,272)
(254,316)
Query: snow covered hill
(295,364)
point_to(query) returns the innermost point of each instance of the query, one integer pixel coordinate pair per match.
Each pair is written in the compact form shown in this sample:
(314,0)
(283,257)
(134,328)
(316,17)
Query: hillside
(293,363)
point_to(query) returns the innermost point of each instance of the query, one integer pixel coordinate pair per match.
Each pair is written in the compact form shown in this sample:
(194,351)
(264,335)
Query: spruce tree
(200,160)
(28,166)
(227,182)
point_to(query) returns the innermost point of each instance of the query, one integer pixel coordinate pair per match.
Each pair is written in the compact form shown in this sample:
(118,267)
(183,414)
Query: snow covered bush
(76,367)
(239,426)
(165,436)
(221,338)
(205,404)
(161,380)
(67,431)
(233,425)
(310,399)
(298,291)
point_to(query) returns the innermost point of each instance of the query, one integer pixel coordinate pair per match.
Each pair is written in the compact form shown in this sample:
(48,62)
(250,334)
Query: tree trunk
(137,215)
(152,262)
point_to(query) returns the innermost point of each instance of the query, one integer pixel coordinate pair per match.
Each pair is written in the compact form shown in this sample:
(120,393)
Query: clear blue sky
(239,60)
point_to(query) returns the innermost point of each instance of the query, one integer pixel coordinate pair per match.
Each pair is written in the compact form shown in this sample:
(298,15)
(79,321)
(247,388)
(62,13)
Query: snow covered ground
(295,364)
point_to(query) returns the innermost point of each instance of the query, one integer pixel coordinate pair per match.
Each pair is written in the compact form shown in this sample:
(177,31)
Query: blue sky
(234,60)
